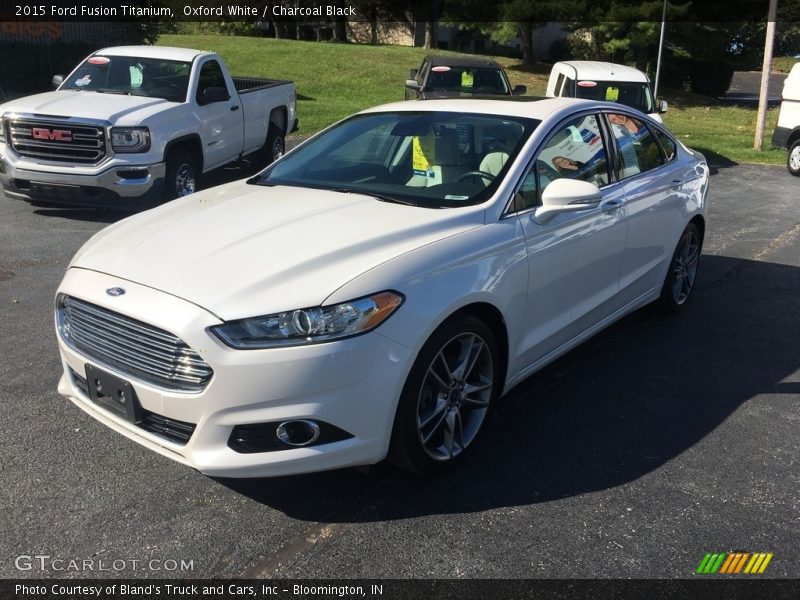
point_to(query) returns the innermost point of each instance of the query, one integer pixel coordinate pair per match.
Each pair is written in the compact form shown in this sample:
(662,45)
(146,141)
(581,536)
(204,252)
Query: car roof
(604,71)
(157,52)
(446,60)
(534,108)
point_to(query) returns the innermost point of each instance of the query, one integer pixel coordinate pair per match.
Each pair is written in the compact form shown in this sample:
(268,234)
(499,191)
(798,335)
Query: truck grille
(131,347)
(62,142)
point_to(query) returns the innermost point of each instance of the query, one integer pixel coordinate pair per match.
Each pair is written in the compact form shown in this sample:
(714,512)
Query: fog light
(298,433)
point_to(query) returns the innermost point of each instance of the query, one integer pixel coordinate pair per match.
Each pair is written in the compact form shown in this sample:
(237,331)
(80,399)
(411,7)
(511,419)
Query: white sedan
(377,289)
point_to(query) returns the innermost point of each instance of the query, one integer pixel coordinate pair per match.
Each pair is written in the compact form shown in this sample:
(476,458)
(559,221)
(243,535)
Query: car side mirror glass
(57,81)
(519,90)
(663,106)
(412,84)
(566,195)
(214,94)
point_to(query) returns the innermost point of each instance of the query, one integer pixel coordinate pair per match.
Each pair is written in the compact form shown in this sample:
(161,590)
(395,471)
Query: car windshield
(132,76)
(429,159)
(635,95)
(467,80)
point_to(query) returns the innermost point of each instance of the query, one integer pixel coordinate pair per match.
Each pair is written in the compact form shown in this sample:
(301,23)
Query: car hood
(114,108)
(242,250)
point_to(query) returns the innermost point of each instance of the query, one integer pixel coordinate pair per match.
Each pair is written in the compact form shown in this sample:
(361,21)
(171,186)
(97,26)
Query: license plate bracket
(113,393)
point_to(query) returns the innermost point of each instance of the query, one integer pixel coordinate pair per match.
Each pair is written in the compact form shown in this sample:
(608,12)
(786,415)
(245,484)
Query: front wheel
(447,396)
(682,273)
(182,175)
(793,162)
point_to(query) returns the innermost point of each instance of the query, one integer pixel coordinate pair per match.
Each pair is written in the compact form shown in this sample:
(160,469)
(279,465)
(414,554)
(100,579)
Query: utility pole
(660,48)
(761,121)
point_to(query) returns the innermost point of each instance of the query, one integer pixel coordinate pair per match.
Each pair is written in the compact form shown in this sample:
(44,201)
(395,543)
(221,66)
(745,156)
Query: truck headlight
(130,139)
(310,325)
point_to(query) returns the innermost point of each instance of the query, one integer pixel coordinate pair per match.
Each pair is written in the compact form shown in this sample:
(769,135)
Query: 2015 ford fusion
(378,288)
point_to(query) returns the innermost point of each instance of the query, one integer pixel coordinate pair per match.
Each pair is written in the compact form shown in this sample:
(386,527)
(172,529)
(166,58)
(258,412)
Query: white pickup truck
(138,123)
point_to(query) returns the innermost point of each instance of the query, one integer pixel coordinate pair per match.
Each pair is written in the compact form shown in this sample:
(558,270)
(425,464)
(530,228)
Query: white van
(786,134)
(606,81)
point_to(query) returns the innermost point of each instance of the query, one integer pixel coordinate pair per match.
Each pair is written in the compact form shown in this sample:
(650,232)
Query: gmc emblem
(59,135)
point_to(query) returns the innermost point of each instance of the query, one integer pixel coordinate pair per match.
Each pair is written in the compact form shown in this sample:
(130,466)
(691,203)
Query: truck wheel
(275,145)
(182,175)
(793,163)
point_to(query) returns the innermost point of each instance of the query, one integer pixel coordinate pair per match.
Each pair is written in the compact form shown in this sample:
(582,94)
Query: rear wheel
(793,162)
(275,145)
(447,397)
(680,279)
(182,175)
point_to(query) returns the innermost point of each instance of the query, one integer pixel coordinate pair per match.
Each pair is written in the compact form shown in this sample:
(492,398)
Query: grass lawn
(335,80)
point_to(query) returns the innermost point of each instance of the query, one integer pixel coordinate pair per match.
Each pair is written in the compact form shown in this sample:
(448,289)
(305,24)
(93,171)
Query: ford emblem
(115,291)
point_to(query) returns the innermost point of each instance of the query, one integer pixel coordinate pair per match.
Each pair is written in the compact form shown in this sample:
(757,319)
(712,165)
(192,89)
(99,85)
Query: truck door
(220,112)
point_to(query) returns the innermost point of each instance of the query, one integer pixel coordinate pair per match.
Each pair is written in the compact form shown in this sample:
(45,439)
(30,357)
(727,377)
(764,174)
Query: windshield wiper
(107,91)
(375,195)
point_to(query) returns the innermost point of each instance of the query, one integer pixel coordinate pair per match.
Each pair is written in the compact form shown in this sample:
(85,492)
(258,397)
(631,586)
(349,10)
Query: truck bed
(245,85)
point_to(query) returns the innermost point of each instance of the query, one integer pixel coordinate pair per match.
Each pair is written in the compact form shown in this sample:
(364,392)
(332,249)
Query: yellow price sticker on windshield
(423,153)
(612,94)
(467,79)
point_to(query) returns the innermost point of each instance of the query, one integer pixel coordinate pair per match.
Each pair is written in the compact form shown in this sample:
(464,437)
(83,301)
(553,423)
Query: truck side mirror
(57,81)
(519,90)
(213,94)
(412,84)
(663,106)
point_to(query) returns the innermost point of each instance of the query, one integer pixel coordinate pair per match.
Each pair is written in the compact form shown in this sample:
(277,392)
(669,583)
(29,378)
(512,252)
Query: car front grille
(131,347)
(57,141)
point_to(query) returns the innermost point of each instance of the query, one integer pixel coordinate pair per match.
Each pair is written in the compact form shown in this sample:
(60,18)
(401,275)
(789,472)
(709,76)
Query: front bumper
(116,185)
(352,384)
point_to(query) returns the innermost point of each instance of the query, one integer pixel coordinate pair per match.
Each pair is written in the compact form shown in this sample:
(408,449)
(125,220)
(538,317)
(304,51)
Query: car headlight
(130,139)
(310,325)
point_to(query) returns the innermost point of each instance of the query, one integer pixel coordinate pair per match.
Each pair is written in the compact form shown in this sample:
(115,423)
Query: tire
(793,161)
(682,273)
(441,411)
(274,147)
(182,174)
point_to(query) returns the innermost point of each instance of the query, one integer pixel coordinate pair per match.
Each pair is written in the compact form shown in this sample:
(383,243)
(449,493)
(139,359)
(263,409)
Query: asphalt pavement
(657,441)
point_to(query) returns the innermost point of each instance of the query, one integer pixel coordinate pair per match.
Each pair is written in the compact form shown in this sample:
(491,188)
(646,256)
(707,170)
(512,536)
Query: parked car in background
(445,76)
(378,288)
(605,81)
(138,123)
(786,134)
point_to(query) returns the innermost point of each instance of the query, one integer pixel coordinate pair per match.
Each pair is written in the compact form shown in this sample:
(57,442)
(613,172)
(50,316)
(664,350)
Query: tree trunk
(339,24)
(527,43)
(430,34)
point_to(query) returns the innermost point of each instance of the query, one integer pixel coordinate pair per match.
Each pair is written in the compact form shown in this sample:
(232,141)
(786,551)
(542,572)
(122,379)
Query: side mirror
(412,74)
(412,84)
(519,90)
(214,94)
(566,195)
(663,106)
(57,81)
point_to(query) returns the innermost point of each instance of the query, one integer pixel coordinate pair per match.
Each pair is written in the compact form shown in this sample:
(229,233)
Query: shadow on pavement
(611,411)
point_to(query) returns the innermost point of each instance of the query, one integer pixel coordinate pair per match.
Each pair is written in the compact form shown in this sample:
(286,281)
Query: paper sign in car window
(467,79)
(612,94)
(423,152)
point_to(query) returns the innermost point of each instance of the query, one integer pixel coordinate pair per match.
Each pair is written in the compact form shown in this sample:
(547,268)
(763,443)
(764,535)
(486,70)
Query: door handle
(611,206)
(233,108)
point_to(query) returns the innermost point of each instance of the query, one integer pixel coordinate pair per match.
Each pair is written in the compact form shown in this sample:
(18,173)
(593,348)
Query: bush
(710,76)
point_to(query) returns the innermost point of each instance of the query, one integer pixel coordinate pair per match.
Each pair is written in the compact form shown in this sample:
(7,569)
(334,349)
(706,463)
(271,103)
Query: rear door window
(638,150)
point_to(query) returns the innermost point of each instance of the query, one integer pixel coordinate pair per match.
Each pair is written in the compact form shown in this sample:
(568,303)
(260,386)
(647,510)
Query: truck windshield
(635,95)
(467,80)
(134,76)
(430,159)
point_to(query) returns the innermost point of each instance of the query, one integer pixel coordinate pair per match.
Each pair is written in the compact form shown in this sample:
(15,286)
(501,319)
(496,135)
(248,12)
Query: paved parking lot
(632,456)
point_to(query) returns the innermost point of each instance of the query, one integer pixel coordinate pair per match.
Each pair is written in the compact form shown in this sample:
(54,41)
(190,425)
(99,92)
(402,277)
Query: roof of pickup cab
(442,60)
(603,71)
(157,52)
